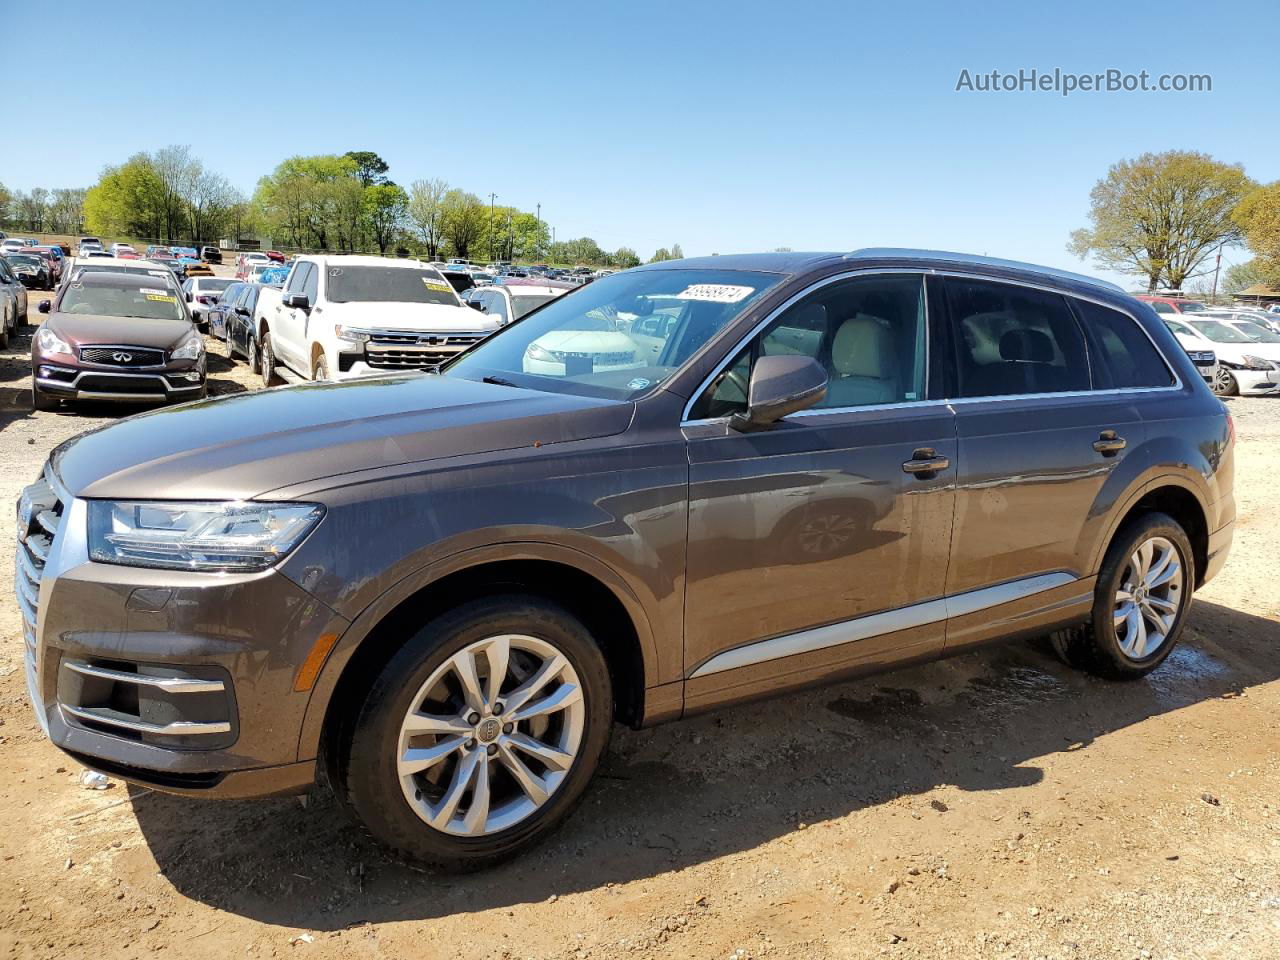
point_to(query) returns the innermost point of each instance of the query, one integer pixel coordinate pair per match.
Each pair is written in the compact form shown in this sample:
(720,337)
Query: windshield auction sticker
(161,298)
(436,286)
(716,293)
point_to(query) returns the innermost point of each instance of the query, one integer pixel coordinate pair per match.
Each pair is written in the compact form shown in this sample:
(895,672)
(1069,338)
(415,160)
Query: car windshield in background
(619,336)
(1191,307)
(135,299)
(523,304)
(211,283)
(1257,333)
(1219,332)
(26,259)
(362,284)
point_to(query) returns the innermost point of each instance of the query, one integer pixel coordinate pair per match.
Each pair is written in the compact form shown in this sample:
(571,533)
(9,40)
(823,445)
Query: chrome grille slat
(28,592)
(169,684)
(29,569)
(49,520)
(180,728)
(38,546)
(41,505)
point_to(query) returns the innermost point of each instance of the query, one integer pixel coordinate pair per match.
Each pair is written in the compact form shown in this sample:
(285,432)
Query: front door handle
(925,462)
(1108,444)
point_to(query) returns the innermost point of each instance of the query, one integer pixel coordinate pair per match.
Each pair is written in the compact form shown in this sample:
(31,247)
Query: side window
(1125,357)
(311,284)
(297,278)
(496,304)
(1161,307)
(868,333)
(1180,329)
(1013,340)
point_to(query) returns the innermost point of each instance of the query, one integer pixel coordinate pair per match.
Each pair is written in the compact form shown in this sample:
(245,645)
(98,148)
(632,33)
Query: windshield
(1190,306)
(1219,332)
(1257,333)
(26,259)
(526,303)
(361,284)
(212,283)
(618,336)
(122,300)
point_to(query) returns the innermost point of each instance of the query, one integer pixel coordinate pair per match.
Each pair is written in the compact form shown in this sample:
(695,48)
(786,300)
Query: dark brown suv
(675,488)
(116,336)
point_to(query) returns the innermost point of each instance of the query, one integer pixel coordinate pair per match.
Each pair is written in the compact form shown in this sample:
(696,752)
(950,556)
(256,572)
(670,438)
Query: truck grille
(416,351)
(122,356)
(1204,358)
(39,517)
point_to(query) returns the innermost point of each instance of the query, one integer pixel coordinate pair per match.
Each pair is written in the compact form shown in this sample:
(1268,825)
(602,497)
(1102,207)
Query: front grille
(39,517)
(1202,358)
(122,356)
(140,386)
(416,351)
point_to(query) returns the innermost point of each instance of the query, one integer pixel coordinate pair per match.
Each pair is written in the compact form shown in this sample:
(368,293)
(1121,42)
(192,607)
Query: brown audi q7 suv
(116,336)
(678,487)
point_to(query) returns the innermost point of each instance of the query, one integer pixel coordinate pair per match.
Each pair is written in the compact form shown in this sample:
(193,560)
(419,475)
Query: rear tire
(251,354)
(321,371)
(556,732)
(1138,611)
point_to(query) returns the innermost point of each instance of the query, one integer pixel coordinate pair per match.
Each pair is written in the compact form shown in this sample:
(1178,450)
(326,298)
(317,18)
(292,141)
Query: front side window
(591,341)
(367,284)
(868,333)
(1126,357)
(298,278)
(1013,340)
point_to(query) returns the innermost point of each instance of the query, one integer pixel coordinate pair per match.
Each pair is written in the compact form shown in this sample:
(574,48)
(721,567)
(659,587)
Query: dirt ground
(993,805)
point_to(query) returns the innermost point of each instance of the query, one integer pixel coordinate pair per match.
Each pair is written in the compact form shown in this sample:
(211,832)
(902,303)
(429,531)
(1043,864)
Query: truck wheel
(1140,602)
(480,735)
(268,361)
(322,370)
(251,353)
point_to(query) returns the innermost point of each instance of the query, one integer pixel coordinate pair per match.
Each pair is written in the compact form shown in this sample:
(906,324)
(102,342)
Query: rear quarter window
(1124,357)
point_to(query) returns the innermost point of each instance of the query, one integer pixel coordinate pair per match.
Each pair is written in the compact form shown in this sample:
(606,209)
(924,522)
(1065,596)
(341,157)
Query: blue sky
(724,127)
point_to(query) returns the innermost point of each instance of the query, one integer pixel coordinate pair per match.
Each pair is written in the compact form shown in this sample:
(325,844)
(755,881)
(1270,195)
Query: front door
(821,544)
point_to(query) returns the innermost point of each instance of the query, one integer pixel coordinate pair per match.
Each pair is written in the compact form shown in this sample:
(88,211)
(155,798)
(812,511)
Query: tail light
(1231,428)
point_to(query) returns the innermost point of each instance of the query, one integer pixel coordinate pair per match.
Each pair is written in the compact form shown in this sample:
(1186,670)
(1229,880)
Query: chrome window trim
(878,624)
(1175,387)
(786,305)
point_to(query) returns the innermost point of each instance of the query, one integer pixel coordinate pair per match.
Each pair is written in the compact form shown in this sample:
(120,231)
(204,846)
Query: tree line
(329,202)
(1164,217)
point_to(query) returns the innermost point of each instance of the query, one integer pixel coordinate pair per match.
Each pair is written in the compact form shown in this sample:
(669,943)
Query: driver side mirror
(298,301)
(45,306)
(780,386)
(476,305)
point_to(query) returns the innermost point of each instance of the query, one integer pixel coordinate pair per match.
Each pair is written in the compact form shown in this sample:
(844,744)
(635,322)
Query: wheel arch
(581,584)
(1175,496)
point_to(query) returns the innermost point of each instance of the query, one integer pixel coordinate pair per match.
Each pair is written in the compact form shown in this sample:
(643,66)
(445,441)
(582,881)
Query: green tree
(370,168)
(1258,217)
(385,210)
(1161,215)
(1243,275)
(127,200)
(659,255)
(66,210)
(624,258)
(302,199)
(6,199)
(676,252)
(426,213)
(464,221)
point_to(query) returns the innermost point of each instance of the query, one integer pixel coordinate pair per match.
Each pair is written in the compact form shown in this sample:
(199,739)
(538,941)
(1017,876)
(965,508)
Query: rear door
(288,331)
(1040,437)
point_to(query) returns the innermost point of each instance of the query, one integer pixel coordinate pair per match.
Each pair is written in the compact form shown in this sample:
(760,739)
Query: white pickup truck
(340,317)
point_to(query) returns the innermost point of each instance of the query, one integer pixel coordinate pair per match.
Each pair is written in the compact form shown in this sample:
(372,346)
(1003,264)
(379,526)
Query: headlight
(1255,363)
(350,334)
(50,342)
(230,536)
(535,352)
(189,349)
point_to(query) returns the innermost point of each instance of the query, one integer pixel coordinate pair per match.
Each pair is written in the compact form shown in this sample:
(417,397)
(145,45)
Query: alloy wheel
(491,735)
(1149,598)
(1224,384)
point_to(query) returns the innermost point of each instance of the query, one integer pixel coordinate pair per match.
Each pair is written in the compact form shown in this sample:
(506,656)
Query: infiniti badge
(120,357)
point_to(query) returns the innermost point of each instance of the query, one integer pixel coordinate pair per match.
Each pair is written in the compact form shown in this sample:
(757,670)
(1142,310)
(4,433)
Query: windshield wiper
(497,381)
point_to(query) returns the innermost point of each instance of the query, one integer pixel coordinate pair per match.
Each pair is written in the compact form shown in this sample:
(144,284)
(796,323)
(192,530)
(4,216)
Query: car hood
(418,317)
(84,329)
(246,445)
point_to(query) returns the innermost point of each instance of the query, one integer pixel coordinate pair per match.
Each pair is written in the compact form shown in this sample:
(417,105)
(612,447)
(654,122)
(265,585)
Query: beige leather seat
(864,364)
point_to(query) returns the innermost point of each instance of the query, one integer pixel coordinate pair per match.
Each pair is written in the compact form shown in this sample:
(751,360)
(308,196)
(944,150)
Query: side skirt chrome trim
(878,624)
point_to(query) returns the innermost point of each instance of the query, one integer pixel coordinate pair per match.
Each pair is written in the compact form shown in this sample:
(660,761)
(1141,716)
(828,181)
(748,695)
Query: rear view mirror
(781,385)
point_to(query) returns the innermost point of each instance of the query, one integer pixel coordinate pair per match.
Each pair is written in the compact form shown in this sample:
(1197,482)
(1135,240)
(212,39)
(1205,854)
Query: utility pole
(1216,267)
(537,253)
(492,197)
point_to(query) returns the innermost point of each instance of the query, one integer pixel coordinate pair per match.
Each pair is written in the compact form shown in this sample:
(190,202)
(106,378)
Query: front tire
(1224,384)
(42,402)
(321,371)
(268,362)
(453,767)
(1140,602)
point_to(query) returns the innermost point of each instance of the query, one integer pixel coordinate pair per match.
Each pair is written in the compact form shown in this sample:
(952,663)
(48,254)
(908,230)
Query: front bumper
(178,680)
(1256,382)
(82,383)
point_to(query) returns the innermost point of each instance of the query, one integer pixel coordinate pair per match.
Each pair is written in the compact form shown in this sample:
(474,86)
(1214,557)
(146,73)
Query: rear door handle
(1108,444)
(925,462)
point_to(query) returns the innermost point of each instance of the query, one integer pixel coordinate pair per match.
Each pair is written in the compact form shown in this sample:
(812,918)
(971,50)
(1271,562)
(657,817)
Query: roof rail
(944,256)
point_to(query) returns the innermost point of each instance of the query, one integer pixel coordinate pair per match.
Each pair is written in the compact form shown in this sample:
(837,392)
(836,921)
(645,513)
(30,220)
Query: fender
(1117,516)
(364,624)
